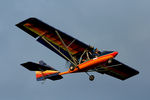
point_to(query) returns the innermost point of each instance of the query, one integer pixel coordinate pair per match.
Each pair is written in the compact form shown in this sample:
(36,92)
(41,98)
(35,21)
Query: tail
(49,74)
(43,71)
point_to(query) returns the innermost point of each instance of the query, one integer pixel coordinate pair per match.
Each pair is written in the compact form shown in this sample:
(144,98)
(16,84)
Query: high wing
(117,69)
(53,38)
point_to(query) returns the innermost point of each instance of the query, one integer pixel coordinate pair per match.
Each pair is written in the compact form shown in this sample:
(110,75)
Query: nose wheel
(91,77)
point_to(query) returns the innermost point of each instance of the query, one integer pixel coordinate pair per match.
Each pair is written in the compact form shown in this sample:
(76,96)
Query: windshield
(106,52)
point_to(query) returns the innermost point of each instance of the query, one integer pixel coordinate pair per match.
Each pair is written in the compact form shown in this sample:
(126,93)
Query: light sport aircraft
(82,57)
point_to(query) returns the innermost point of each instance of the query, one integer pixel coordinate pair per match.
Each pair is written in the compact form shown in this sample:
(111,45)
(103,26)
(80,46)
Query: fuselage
(91,64)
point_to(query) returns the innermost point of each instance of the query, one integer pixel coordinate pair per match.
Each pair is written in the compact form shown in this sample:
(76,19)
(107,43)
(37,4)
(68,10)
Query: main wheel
(91,77)
(72,68)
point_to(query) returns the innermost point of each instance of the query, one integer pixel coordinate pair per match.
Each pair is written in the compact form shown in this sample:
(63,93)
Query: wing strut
(58,51)
(87,55)
(82,56)
(70,43)
(75,63)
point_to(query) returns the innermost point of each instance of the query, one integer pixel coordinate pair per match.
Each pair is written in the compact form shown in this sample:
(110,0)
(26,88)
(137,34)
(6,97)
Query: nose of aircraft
(115,53)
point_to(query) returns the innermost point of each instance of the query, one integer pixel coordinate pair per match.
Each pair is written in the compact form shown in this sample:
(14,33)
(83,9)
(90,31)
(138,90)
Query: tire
(72,68)
(91,77)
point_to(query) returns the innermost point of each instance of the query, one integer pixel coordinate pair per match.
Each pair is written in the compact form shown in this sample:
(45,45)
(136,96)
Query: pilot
(96,53)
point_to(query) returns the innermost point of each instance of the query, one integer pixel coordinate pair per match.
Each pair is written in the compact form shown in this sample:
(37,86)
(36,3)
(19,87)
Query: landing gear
(72,68)
(91,77)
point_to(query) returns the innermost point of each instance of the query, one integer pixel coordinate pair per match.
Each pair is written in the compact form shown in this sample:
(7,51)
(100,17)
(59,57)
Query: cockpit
(106,52)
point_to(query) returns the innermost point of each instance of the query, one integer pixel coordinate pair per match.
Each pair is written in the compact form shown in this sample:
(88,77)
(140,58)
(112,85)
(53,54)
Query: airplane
(80,56)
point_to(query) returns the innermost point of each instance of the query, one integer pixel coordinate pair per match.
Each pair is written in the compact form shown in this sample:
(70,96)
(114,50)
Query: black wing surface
(47,36)
(36,67)
(117,69)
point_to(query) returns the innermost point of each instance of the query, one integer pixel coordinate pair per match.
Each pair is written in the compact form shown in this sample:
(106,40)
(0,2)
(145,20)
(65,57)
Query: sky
(121,25)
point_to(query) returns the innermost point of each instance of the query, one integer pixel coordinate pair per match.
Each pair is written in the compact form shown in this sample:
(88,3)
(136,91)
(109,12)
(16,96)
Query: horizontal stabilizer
(36,67)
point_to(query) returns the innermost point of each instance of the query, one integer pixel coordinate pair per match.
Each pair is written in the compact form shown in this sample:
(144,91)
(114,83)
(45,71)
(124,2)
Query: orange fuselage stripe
(91,63)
